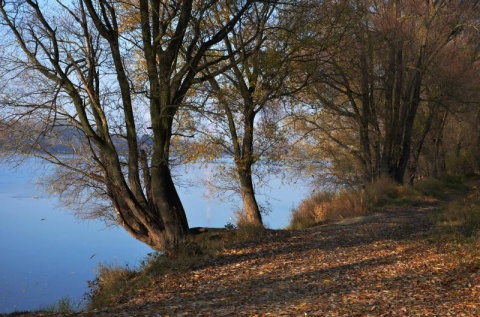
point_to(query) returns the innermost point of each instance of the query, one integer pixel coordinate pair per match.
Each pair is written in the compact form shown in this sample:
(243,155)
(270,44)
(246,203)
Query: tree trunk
(169,205)
(411,104)
(161,223)
(250,205)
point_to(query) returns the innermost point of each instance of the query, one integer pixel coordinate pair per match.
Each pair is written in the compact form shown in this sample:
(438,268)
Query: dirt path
(381,265)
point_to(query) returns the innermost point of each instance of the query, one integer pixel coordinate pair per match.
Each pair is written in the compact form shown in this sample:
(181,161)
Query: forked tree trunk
(159,220)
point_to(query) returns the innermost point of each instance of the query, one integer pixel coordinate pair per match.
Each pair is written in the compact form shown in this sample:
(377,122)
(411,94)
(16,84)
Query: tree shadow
(406,224)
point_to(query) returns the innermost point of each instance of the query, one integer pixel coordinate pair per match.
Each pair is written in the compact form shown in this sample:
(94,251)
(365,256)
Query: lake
(47,254)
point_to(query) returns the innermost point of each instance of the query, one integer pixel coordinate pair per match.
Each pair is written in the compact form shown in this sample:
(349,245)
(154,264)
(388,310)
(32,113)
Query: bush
(302,217)
(240,219)
(431,187)
(323,206)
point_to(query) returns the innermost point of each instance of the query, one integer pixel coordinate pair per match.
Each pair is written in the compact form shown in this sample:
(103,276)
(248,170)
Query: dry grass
(105,288)
(113,281)
(63,305)
(441,188)
(324,206)
(462,215)
(386,192)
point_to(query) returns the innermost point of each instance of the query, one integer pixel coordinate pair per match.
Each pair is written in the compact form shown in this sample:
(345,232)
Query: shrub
(310,211)
(302,217)
(348,204)
(381,191)
(431,186)
(323,206)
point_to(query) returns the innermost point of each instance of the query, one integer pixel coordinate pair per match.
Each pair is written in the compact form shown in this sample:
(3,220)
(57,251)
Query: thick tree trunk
(161,223)
(250,205)
(169,206)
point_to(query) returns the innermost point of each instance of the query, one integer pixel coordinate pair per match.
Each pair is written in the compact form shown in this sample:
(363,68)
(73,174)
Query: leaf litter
(388,264)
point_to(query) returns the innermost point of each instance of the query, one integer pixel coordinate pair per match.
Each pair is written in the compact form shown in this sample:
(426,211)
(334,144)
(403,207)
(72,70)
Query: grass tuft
(104,289)
(63,305)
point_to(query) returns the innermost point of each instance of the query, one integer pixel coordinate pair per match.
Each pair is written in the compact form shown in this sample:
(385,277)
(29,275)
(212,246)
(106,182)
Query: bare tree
(76,66)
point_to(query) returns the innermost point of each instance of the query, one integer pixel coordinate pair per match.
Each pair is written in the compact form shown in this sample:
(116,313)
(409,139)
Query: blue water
(47,254)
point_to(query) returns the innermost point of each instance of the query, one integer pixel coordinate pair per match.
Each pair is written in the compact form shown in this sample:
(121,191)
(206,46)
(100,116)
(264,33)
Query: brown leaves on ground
(381,265)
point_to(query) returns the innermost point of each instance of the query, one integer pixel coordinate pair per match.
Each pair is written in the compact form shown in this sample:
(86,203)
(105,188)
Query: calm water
(47,254)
